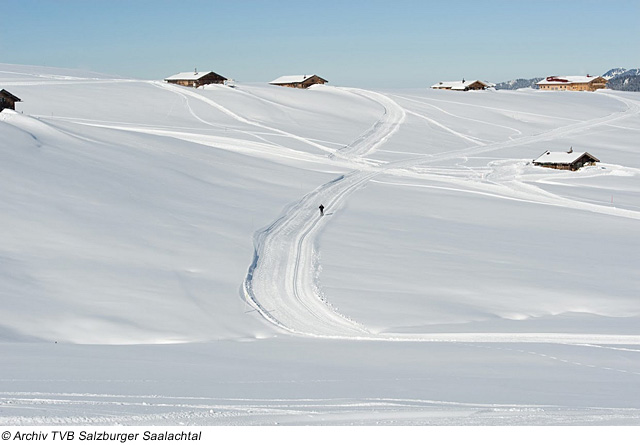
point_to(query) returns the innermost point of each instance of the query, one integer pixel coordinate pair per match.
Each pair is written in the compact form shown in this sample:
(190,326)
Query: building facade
(8,100)
(572,83)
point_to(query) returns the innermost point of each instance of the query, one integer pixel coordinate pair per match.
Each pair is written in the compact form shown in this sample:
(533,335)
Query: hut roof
(562,157)
(567,80)
(299,78)
(6,93)
(192,75)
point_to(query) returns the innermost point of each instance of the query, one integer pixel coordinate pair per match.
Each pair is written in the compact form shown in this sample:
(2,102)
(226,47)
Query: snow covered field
(163,260)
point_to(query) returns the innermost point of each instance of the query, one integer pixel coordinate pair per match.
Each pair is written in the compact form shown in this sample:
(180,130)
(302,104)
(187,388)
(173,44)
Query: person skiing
(321,210)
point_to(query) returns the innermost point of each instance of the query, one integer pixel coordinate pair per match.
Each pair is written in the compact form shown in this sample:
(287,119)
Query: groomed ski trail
(393,116)
(280,281)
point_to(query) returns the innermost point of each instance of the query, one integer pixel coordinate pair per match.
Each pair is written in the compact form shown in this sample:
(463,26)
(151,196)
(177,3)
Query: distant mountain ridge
(628,81)
(518,83)
(619,79)
(613,72)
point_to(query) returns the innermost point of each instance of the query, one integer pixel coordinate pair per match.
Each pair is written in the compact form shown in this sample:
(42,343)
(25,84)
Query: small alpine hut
(8,100)
(565,160)
(464,85)
(299,81)
(195,79)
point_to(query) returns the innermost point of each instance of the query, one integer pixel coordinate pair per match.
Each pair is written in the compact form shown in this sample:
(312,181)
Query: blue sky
(373,43)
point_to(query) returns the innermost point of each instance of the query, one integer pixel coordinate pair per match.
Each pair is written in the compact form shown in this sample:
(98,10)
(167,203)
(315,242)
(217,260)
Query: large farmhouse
(568,160)
(573,83)
(464,85)
(195,79)
(299,81)
(8,100)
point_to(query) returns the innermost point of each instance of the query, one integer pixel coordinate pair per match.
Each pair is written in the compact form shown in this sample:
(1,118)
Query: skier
(321,210)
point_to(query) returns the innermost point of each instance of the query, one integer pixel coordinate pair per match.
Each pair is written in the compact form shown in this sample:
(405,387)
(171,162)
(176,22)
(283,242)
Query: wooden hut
(565,160)
(299,81)
(464,85)
(8,100)
(195,79)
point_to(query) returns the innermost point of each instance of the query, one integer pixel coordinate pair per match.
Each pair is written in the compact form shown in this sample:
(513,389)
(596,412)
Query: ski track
(218,126)
(516,190)
(195,95)
(514,130)
(254,148)
(568,362)
(108,409)
(450,130)
(380,132)
(280,281)
(512,112)
(114,409)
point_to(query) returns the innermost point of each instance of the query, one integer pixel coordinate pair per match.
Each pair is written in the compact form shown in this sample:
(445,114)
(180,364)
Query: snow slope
(164,258)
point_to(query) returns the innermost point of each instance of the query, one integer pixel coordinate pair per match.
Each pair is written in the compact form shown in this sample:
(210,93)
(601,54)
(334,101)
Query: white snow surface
(163,259)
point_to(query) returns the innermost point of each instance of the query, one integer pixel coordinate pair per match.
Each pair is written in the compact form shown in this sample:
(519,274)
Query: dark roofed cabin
(565,160)
(8,100)
(300,81)
(465,85)
(195,79)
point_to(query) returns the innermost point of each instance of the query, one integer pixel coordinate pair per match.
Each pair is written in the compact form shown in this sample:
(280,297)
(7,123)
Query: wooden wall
(7,102)
(313,80)
(204,80)
(596,84)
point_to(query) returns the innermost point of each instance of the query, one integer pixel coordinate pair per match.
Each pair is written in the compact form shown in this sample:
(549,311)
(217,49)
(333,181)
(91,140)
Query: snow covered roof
(298,78)
(192,75)
(566,80)
(459,84)
(562,157)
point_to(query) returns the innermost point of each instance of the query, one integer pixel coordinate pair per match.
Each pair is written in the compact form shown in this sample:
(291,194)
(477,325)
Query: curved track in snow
(280,282)
(184,92)
(380,132)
